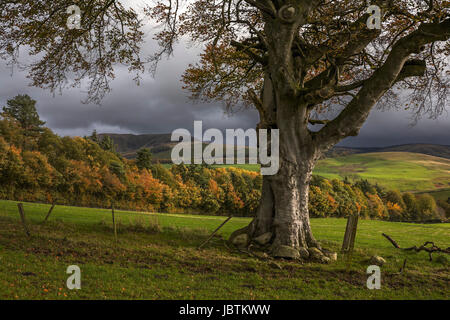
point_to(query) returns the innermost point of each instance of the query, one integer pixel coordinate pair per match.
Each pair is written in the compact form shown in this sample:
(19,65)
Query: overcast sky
(159,105)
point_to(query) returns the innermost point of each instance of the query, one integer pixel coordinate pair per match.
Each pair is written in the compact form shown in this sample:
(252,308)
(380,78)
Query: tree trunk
(283,210)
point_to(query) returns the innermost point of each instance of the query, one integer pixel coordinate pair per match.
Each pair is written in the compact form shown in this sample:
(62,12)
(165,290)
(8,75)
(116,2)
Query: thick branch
(266,6)
(248,51)
(323,86)
(424,247)
(337,40)
(350,120)
(412,68)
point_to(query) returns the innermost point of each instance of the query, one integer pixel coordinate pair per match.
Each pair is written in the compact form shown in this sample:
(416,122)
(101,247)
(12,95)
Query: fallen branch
(49,213)
(215,231)
(424,247)
(391,241)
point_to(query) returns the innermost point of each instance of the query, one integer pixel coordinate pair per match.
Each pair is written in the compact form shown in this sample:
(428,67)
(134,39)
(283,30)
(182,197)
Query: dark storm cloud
(394,128)
(160,105)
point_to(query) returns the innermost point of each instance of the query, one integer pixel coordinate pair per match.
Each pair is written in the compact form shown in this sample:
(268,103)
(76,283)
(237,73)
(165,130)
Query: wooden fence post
(49,212)
(22,218)
(350,234)
(114,221)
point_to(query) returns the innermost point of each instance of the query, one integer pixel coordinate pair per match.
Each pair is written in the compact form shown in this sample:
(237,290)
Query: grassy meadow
(394,170)
(156,257)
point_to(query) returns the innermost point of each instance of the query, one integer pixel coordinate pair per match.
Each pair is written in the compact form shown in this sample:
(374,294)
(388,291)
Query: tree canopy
(323,48)
(23,109)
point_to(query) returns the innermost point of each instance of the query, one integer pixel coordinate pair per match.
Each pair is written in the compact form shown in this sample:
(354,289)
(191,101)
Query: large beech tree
(292,60)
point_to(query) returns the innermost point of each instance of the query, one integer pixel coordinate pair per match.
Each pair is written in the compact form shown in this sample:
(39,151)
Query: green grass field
(394,170)
(156,258)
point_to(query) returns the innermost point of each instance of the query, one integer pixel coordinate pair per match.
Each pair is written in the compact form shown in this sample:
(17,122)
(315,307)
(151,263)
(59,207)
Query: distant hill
(441,151)
(128,144)
(436,150)
(404,171)
(161,146)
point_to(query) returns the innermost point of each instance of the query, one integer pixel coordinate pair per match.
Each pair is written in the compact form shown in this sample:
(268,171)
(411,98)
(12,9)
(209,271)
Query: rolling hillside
(160,145)
(436,150)
(396,170)
(129,144)
(429,149)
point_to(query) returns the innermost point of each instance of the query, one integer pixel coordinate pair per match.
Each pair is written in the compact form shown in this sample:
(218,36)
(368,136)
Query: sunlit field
(156,257)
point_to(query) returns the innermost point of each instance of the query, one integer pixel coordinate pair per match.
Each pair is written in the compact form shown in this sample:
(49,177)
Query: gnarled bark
(283,210)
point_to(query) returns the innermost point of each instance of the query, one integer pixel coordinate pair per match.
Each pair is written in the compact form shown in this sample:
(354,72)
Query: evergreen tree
(23,109)
(144,158)
(107,144)
(94,136)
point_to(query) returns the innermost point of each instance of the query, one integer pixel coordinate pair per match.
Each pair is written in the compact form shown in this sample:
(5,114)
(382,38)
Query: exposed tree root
(424,247)
(269,260)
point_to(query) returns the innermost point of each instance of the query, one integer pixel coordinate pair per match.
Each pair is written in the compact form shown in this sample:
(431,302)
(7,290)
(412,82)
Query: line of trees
(341,198)
(38,165)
